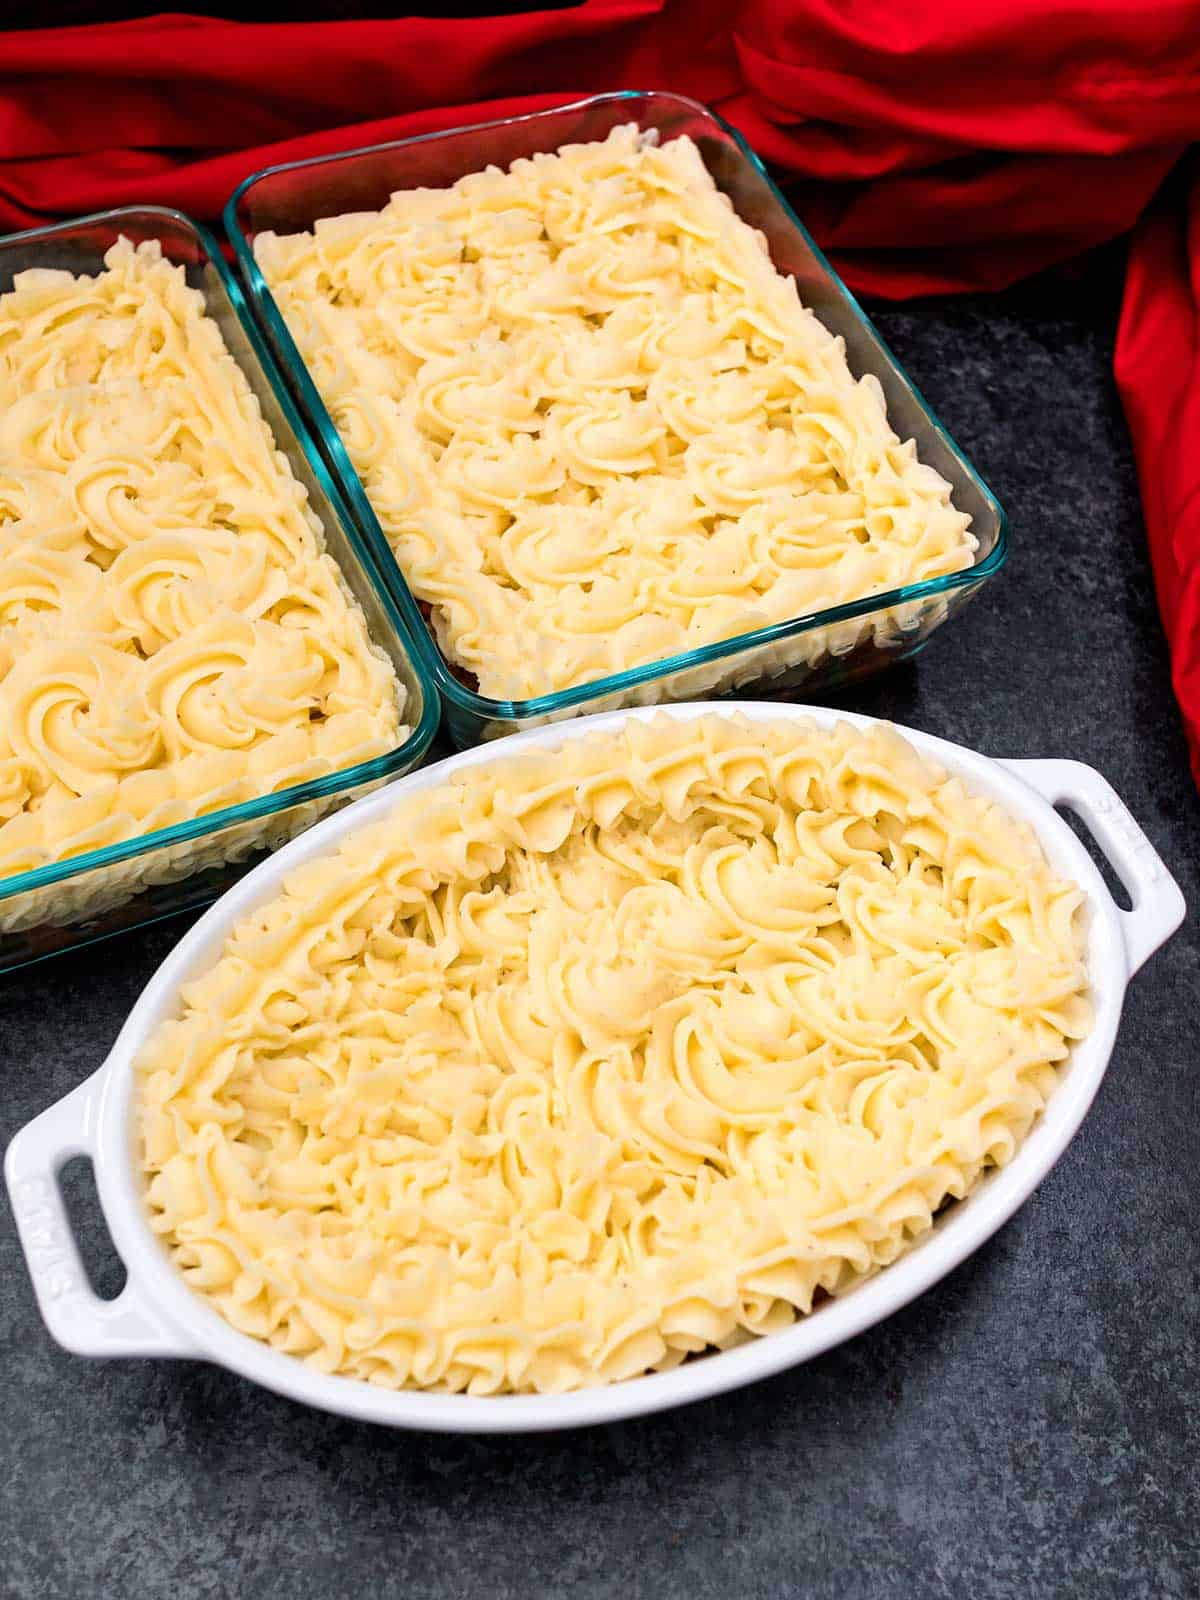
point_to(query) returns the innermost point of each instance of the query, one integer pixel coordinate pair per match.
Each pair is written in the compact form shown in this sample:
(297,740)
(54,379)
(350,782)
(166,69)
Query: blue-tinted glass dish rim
(448,685)
(404,757)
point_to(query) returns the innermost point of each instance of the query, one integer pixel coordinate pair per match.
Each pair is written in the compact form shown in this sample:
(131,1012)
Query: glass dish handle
(77,1317)
(1158,905)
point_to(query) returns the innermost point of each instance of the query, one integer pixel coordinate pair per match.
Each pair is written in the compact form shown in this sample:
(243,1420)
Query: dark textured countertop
(1029,1428)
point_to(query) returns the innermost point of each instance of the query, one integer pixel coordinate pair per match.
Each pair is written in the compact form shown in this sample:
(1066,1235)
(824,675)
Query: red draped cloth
(931,148)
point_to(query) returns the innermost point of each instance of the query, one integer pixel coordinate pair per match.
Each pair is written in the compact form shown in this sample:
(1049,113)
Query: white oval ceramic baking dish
(157,1315)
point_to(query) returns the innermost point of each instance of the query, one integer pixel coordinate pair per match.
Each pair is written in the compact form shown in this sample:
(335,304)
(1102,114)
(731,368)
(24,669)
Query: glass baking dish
(810,652)
(143,879)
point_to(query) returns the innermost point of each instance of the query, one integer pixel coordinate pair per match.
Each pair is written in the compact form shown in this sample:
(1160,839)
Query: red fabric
(1158,374)
(931,147)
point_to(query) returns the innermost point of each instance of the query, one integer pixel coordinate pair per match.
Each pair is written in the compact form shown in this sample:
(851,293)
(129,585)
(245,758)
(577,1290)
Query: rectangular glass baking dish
(810,652)
(140,880)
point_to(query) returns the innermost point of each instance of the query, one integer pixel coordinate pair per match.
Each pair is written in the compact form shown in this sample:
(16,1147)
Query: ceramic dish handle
(1157,902)
(79,1319)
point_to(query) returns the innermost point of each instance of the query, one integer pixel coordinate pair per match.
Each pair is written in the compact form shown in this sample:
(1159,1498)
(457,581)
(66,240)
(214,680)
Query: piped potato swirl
(173,636)
(591,1060)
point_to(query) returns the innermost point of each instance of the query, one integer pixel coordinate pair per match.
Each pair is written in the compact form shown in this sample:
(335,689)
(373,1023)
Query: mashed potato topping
(173,638)
(593,1059)
(597,426)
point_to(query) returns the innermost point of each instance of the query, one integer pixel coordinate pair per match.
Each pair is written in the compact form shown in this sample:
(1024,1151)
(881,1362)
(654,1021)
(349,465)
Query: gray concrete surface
(1029,1428)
